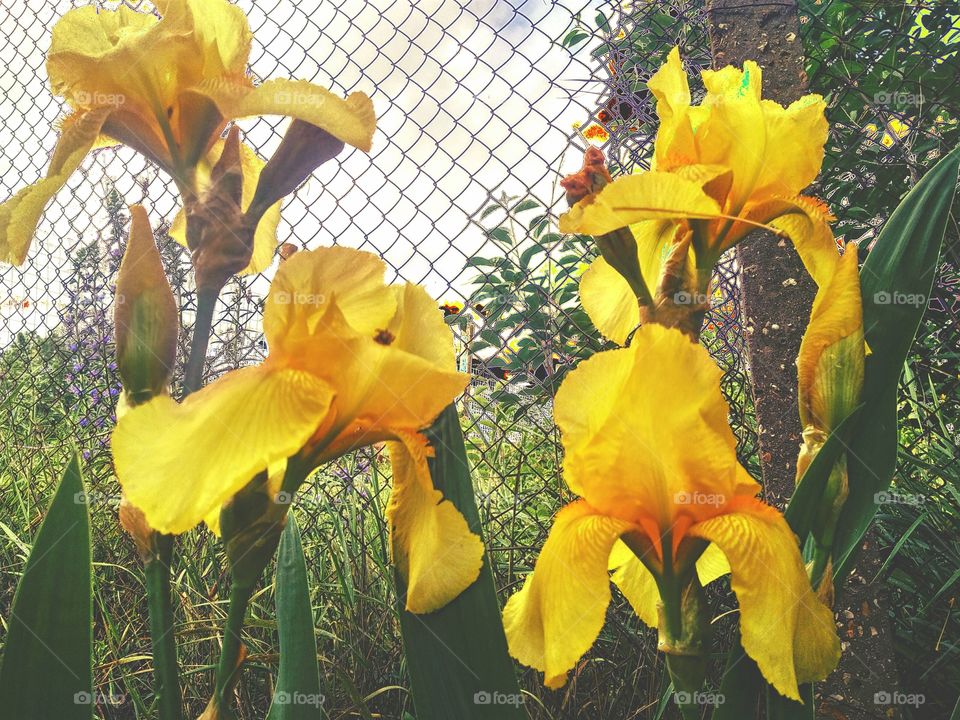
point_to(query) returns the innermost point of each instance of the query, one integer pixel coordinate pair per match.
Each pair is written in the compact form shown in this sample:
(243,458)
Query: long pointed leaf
(896,282)
(457,657)
(803,506)
(47,669)
(740,686)
(297,695)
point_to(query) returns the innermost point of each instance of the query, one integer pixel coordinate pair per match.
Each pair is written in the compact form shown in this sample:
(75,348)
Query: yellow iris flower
(166,87)
(720,170)
(648,449)
(831,358)
(352,362)
(830,368)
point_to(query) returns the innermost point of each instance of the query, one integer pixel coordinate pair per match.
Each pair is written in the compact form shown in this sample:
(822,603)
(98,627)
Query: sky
(474,98)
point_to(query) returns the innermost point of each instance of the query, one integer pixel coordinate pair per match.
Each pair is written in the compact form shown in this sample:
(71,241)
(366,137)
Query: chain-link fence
(482,106)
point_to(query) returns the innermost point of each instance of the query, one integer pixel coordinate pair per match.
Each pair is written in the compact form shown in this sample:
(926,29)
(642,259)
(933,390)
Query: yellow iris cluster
(355,361)
(665,505)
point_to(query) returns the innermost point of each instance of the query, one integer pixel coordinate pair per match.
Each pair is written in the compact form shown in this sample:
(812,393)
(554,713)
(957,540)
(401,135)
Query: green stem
(157,568)
(165,667)
(231,653)
(821,555)
(670,590)
(203,325)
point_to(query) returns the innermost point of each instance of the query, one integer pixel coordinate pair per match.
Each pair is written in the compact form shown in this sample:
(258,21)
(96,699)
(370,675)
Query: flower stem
(157,567)
(165,668)
(202,327)
(232,652)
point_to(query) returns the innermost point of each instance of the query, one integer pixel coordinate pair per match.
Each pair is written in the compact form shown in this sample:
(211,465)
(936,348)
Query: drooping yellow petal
(20,214)
(675,144)
(712,564)
(609,302)
(635,582)
(805,221)
(634,198)
(275,473)
(783,626)
(555,618)
(265,237)
(830,364)
(180,462)
(645,430)
(351,120)
(431,543)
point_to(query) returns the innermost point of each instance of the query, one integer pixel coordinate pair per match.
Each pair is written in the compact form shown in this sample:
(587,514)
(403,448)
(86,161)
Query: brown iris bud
(145,316)
(619,248)
(219,234)
(135,523)
(591,178)
(304,148)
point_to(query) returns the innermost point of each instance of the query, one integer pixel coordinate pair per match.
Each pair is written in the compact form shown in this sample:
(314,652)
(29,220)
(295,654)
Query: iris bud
(145,315)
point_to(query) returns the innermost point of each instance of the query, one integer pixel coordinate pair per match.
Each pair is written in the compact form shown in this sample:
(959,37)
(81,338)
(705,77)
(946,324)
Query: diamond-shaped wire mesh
(482,106)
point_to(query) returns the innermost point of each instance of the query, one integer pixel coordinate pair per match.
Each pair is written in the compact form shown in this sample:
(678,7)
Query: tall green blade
(457,657)
(896,282)
(803,506)
(740,686)
(297,695)
(47,662)
(782,708)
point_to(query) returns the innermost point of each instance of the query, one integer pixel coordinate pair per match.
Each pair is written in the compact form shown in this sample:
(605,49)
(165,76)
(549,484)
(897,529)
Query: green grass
(517,476)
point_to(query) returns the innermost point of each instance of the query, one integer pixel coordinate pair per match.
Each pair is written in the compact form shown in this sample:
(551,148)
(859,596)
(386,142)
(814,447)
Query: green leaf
(297,695)
(783,708)
(740,686)
(524,205)
(803,506)
(47,662)
(896,282)
(457,657)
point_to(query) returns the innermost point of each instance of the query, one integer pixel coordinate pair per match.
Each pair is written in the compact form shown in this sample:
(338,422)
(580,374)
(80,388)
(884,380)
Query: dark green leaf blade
(783,708)
(457,657)
(47,663)
(896,281)
(803,506)
(740,686)
(297,695)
